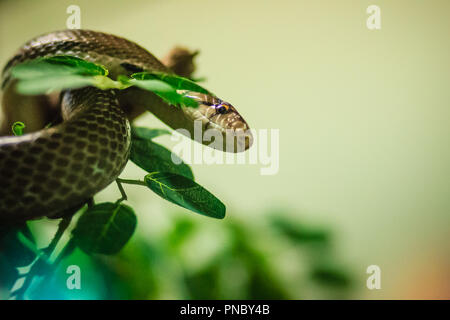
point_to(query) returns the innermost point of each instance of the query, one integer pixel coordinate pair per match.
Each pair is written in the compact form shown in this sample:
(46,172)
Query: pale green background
(363,116)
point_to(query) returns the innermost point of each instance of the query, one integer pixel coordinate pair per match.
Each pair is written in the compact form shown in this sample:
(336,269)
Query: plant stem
(135,182)
(63,224)
(122,191)
(68,248)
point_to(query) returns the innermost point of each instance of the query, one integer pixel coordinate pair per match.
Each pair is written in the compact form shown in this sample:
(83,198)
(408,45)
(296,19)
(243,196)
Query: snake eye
(223,108)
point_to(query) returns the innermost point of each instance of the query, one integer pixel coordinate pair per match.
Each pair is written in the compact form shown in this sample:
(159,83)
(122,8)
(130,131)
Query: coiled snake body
(53,169)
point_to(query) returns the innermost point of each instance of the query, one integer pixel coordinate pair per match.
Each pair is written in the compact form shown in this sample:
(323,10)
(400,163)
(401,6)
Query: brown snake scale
(61,167)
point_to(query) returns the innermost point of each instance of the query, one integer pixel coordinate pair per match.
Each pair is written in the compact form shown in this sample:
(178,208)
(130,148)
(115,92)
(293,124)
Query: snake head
(218,117)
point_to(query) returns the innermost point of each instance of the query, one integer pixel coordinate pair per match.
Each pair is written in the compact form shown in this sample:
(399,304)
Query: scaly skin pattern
(48,171)
(106,49)
(57,168)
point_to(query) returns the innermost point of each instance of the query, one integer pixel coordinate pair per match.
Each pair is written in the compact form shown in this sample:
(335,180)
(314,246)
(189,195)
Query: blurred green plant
(241,259)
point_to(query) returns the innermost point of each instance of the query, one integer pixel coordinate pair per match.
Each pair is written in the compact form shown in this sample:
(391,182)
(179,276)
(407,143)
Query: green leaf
(331,276)
(53,83)
(153,157)
(17,245)
(14,253)
(17,128)
(57,65)
(165,91)
(39,69)
(299,233)
(59,72)
(177,82)
(44,75)
(105,228)
(180,232)
(185,193)
(146,133)
(80,65)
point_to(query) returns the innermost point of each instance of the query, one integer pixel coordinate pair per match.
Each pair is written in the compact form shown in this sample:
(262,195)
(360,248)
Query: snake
(52,169)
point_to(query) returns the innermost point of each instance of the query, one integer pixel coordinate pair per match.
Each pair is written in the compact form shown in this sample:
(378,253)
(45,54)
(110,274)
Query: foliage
(105,228)
(243,258)
(177,82)
(186,193)
(153,157)
(44,75)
